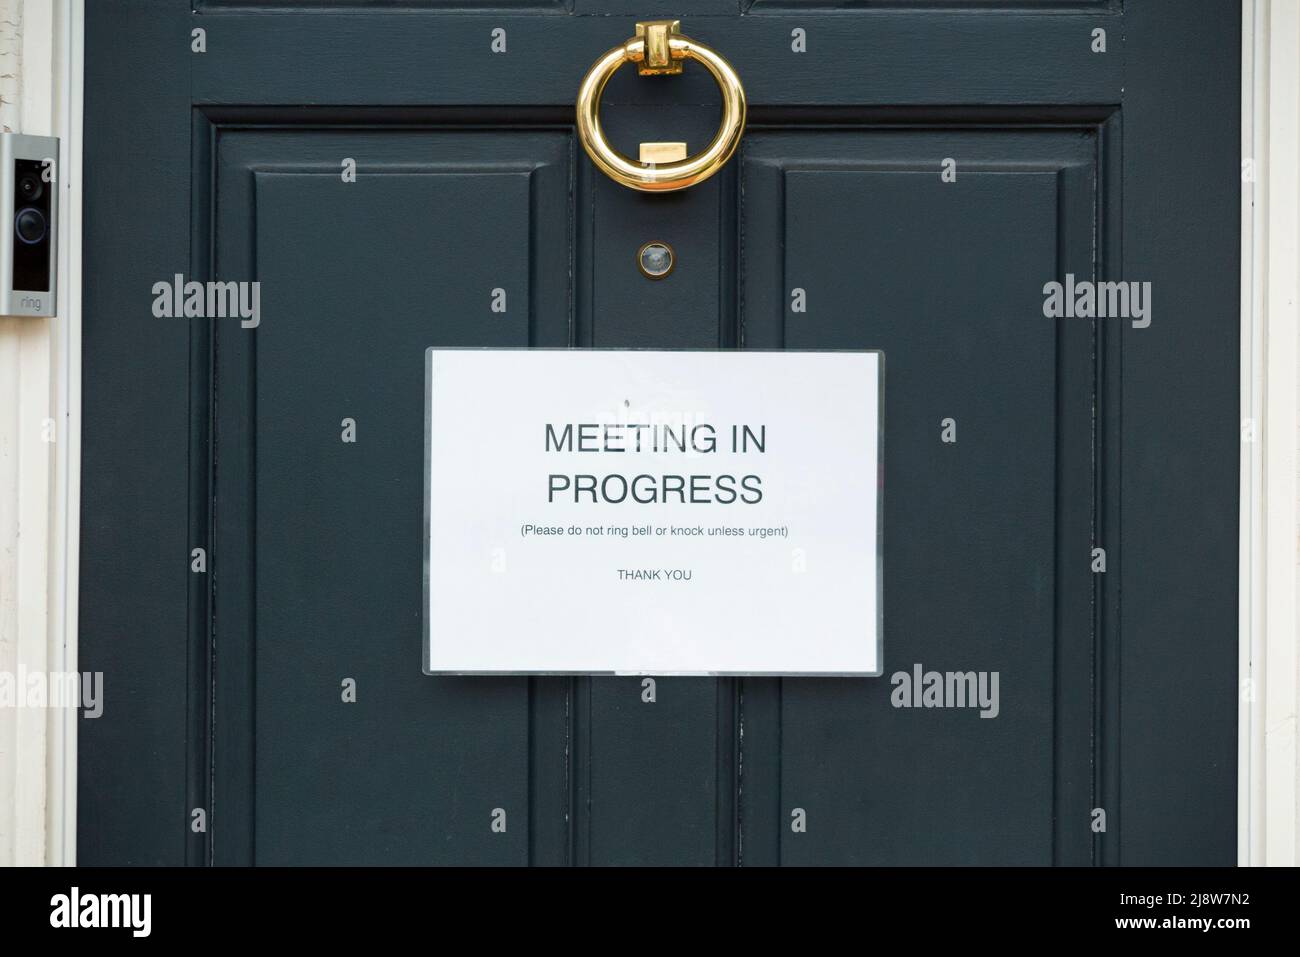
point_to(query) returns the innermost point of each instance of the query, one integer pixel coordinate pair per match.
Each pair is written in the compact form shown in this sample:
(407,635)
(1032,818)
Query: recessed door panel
(862,241)
(346,755)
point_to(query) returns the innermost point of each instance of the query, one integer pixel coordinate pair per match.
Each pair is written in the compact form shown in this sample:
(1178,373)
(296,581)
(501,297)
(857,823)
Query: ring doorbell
(29,210)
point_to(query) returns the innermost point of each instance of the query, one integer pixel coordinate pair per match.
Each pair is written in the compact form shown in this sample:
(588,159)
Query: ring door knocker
(659,49)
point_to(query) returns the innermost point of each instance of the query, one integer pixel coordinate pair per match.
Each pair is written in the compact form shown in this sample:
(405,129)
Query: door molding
(40,434)
(65,553)
(54,54)
(1270,243)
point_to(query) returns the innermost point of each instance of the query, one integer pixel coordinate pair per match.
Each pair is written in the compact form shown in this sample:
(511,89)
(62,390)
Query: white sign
(628,512)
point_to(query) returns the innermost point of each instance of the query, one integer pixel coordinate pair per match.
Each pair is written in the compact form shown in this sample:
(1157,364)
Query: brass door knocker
(660,49)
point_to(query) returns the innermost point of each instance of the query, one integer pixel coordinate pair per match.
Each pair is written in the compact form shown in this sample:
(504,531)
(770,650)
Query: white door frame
(68,35)
(40,436)
(53,60)
(1270,259)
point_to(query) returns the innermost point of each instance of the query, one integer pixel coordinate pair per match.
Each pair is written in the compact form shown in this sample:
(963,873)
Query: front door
(1060,488)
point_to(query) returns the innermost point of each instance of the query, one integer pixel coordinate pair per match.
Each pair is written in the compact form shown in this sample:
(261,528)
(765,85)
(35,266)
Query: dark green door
(911,179)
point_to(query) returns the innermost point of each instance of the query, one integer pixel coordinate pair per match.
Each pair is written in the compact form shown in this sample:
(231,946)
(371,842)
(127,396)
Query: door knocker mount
(659,49)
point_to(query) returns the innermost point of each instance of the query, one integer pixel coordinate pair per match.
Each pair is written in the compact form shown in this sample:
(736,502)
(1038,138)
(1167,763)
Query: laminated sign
(628,512)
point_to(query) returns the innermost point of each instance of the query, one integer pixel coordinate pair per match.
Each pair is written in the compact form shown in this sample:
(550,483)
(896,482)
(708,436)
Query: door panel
(981,535)
(470,180)
(315,557)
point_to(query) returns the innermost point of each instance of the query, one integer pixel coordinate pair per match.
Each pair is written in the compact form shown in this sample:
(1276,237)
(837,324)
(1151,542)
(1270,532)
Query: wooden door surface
(912,176)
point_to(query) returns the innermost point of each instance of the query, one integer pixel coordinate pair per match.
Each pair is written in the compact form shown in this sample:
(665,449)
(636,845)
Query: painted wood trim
(1270,514)
(25,459)
(65,491)
(40,366)
(1280,410)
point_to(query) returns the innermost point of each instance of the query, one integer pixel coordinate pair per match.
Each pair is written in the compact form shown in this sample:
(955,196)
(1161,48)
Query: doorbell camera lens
(30,188)
(29,224)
